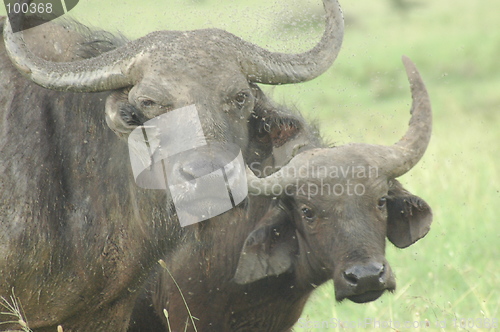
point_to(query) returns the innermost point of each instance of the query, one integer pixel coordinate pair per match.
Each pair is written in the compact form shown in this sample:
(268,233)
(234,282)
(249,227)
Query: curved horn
(394,160)
(105,72)
(112,70)
(272,185)
(262,66)
(402,156)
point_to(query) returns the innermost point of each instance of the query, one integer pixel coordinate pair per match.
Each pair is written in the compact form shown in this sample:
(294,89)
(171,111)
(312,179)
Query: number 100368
(32,8)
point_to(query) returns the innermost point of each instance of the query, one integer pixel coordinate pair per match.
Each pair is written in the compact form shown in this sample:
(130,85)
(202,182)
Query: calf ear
(269,249)
(409,216)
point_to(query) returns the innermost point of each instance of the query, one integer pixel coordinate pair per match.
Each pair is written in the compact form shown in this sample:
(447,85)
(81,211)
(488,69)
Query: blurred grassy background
(453,273)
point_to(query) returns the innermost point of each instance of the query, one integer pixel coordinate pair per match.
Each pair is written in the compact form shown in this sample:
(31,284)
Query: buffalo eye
(241,98)
(381,203)
(147,103)
(308,214)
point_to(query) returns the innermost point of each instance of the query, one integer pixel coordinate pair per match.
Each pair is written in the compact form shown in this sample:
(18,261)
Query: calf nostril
(351,277)
(381,272)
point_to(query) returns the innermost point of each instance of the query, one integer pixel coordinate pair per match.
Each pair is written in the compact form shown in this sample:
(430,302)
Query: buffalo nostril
(230,170)
(195,169)
(187,173)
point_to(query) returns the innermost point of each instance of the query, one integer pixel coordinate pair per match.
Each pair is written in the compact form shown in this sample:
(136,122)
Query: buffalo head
(337,206)
(167,70)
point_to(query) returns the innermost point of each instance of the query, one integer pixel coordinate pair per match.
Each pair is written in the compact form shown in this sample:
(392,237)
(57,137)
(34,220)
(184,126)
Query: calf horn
(402,156)
(115,69)
(395,160)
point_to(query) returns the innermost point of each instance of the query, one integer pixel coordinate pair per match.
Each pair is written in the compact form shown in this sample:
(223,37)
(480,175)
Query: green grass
(452,273)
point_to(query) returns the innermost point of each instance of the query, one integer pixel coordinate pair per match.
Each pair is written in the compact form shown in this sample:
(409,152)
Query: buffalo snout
(204,161)
(364,282)
(206,181)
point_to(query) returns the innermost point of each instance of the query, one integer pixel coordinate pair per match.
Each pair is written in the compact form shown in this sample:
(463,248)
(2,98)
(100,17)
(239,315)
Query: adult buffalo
(331,210)
(77,236)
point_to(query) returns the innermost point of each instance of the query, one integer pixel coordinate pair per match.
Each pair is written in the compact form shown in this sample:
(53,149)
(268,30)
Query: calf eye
(308,214)
(381,203)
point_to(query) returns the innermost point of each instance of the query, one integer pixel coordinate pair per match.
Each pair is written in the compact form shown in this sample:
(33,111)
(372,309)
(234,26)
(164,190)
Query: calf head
(336,206)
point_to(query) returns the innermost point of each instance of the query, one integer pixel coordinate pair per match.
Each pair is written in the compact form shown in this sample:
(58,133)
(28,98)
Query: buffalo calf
(324,215)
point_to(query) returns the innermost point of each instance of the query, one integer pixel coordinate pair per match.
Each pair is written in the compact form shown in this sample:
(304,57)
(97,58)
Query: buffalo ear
(409,216)
(282,131)
(269,249)
(281,124)
(121,116)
